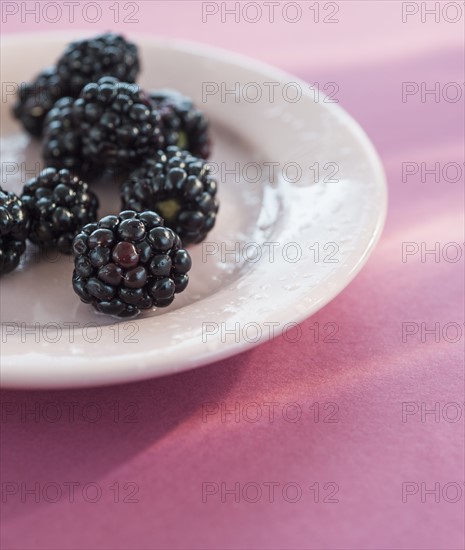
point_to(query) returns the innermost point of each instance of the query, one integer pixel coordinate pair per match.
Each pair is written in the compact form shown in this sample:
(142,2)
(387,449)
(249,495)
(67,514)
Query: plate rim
(121,375)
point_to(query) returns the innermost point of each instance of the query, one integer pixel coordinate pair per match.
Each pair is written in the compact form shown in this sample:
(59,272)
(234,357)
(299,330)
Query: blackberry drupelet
(179,187)
(129,262)
(62,146)
(184,125)
(88,60)
(14,228)
(119,126)
(59,204)
(35,99)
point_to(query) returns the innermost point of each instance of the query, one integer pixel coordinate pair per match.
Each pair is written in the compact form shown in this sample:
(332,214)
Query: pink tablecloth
(366,445)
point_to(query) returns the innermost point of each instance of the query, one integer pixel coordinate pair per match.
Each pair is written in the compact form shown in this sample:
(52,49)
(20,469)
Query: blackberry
(83,62)
(184,125)
(118,124)
(129,262)
(88,60)
(62,147)
(36,98)
(179,187)
(14,228)
(59,204)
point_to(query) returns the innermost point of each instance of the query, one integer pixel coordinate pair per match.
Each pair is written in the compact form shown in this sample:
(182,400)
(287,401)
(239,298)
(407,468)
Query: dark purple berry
(163,288)
(108,222)
(180,188)
(161,238)
(36,98)
(136,278)
(14,228)
(82,62)
(62,146)
(100,237)
(99,290)
(99,256)
(87,60)
(128,263)
(83,266)
(183,125)
(131,230)
(111,274)
(119,126)
(180,282)
(125,254)
(160,265)
(182,261)
(59,203)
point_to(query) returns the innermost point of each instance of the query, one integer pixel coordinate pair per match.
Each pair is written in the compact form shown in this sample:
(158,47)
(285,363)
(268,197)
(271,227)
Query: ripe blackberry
(179,187)
(83,62)
(59,204)
(184,125)
(35,99)
(129,262)
(14,228)
(61,145)
(88,60)
(118,124)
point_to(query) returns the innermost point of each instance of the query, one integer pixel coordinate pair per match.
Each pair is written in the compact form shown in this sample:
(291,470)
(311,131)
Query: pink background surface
(169,450)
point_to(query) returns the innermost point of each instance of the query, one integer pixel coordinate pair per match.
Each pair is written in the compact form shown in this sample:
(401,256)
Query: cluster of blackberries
(91,92)
(93,119)
(82,62)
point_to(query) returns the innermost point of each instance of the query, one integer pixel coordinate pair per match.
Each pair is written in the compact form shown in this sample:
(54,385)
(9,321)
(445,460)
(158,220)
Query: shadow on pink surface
(85,434)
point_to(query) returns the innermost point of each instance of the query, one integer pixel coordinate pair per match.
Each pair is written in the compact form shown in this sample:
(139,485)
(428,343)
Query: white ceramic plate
(297,222)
